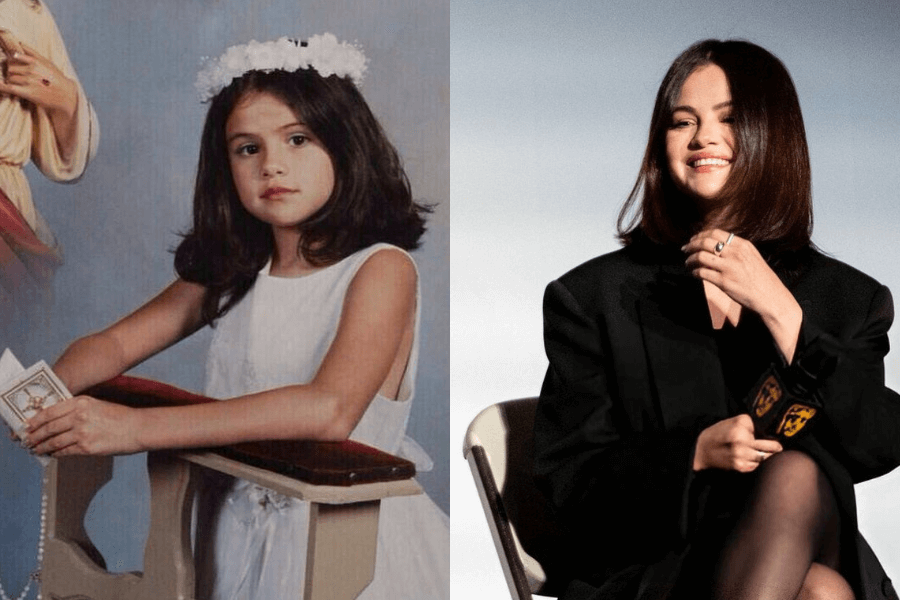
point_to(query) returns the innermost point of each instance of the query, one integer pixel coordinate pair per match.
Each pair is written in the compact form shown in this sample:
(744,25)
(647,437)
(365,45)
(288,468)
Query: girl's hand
(30,76)
(84,425)
(731,445)
(739,270)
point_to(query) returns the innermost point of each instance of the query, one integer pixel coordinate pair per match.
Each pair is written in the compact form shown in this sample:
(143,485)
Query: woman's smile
(703,163)
(700,140)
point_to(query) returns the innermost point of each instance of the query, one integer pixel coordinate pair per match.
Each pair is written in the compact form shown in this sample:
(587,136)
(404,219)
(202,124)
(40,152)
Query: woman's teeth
(709,161)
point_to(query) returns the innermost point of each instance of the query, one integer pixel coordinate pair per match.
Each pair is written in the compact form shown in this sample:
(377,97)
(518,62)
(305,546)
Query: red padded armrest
(320,463)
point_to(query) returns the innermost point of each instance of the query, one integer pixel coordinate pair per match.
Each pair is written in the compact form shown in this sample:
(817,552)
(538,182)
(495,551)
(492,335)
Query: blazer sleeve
(599,470)
(846,357)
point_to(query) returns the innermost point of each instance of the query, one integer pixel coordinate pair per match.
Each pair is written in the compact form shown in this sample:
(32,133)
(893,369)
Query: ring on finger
(721,245)
(761,455)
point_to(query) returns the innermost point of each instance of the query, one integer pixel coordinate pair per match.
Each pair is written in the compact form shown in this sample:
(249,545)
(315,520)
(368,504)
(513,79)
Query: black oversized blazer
(634,377)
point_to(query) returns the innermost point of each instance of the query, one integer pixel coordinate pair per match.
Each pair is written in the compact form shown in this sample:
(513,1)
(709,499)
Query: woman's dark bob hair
(371,201)
(768,194)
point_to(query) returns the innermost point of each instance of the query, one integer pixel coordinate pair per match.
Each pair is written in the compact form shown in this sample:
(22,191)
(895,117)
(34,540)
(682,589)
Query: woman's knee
(824,583)
(794,500)
(793,466)
(792,479)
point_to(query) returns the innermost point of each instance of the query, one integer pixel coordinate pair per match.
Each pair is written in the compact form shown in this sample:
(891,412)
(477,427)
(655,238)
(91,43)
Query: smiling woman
(643,436)
(767,192)
(700,141)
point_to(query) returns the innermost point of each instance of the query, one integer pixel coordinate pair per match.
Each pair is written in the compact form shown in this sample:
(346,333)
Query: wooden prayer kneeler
(343,482)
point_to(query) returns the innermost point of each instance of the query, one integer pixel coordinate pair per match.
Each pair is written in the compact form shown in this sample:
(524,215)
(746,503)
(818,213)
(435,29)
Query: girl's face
(700,140)
(282,173)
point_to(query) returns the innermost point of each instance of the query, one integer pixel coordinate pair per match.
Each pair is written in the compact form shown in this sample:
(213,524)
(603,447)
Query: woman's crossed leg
(785,545)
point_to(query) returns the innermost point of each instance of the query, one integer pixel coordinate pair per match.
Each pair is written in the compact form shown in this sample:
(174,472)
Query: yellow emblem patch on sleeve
(795,419)
(769,394)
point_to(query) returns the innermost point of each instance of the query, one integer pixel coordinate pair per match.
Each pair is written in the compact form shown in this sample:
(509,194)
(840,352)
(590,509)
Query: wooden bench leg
(73,567)
(340,559)
(70,559)
(168,560)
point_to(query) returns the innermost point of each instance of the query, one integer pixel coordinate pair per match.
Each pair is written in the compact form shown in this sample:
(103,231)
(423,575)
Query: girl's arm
(169,317)
(377,317)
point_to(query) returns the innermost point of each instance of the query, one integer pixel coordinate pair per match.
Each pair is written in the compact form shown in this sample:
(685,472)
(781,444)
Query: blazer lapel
(681,352)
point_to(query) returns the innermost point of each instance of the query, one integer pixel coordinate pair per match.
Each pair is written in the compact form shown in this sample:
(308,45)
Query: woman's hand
(84,425)
(731,445)
(737,268)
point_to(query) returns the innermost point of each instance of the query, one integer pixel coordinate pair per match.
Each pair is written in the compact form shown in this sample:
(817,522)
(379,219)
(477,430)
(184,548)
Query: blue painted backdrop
(137,61)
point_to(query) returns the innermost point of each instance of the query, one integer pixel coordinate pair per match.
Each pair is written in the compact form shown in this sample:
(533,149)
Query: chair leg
(70,568)
(168,560)
(70,559)
(340,559)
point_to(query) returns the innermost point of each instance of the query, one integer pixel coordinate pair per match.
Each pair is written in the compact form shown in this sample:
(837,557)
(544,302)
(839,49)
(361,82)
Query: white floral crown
(324,53)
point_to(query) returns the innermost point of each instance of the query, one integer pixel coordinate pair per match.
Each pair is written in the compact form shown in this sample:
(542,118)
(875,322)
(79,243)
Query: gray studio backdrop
(551,107)
(137,61)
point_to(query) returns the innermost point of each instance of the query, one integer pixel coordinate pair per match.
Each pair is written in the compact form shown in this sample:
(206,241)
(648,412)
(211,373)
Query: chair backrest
(499,449)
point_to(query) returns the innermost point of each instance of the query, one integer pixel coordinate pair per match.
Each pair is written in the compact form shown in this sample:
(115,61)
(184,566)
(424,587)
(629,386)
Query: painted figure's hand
(735,266)
(32,77)
(84,425)
(731,445)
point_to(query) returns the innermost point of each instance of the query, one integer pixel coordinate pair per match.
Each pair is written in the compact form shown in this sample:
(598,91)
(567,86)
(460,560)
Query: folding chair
(499,449)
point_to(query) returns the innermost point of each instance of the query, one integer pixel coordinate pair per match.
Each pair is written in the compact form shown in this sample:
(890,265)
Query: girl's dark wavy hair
(769,191)
(371,201)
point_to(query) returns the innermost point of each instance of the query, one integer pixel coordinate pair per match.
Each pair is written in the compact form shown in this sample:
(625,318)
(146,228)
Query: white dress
(251,542)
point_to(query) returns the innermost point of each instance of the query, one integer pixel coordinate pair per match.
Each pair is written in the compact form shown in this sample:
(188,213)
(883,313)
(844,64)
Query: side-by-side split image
(433,300)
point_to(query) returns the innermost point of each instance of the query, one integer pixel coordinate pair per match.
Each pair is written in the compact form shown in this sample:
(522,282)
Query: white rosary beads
(36,575)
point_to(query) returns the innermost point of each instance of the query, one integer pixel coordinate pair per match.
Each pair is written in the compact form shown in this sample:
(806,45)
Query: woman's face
(281,171)
(700,139)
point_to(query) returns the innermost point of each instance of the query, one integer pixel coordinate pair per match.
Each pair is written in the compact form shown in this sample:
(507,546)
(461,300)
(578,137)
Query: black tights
(790,522)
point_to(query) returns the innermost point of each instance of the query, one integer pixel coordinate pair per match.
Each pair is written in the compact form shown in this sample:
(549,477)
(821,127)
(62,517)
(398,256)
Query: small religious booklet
(24,392)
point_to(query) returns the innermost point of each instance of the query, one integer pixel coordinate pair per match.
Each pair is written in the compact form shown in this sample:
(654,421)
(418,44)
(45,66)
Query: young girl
(302,213)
